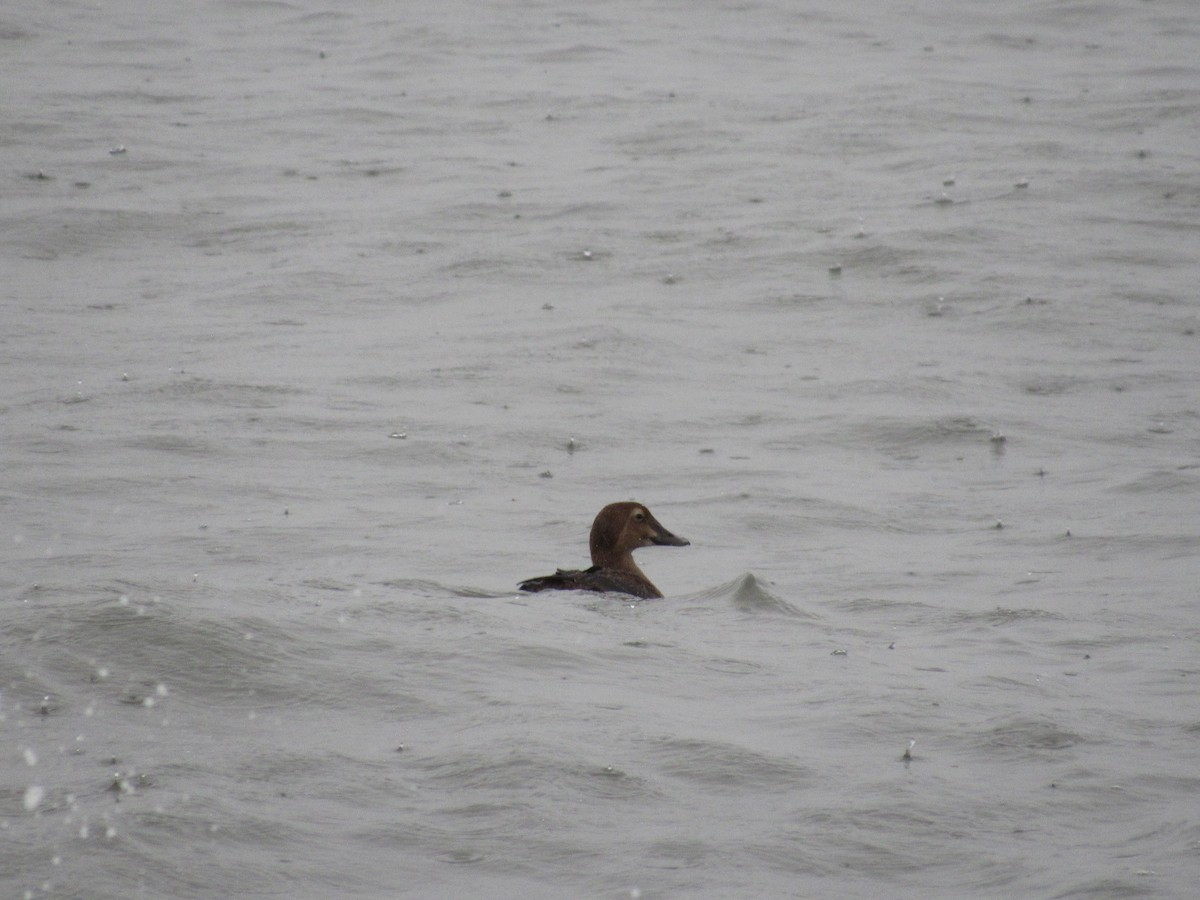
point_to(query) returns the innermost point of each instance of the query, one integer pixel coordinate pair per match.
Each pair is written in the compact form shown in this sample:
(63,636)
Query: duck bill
(664,538)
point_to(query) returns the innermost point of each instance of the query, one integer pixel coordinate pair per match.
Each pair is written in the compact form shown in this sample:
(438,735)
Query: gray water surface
(323,326)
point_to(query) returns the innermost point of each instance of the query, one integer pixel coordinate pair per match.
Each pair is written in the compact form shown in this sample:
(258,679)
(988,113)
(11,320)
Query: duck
(618,530)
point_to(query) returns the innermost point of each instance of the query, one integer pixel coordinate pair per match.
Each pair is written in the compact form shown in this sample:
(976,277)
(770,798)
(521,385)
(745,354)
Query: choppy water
(324,326)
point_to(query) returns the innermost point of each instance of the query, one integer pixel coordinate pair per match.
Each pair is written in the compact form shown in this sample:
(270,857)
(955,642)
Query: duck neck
(622,562)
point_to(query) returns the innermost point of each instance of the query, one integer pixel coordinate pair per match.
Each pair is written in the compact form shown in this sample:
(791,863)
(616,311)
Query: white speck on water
(33,797)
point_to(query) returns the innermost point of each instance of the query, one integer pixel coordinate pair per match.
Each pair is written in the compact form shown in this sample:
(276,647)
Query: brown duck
(619,529)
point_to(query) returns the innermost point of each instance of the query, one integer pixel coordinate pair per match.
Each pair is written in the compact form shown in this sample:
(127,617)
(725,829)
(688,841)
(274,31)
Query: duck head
(621,528)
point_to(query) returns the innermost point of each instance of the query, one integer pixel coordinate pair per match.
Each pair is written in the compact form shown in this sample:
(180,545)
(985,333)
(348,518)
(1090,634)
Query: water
(324,327)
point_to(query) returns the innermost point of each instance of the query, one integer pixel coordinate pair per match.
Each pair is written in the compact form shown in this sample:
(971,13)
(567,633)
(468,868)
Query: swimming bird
(619,529)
